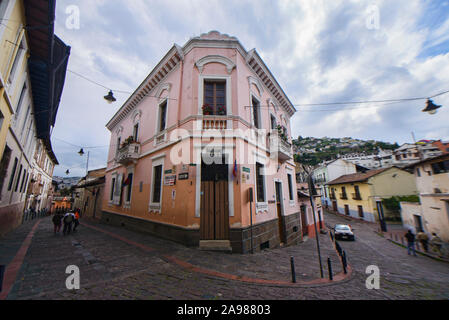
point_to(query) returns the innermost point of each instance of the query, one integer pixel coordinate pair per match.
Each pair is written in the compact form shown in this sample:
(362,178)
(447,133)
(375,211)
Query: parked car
(344,232)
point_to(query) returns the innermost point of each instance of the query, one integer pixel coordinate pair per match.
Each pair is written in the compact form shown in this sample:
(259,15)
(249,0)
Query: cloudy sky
(320,51)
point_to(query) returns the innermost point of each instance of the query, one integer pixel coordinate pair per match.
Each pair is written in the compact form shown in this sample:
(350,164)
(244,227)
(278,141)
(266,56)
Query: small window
(19,104)
(361,214)
(17,59)
(119,142)
(112,189)
(273,122)
(440,167)
(418,172)
(256,113)
(136,132)
(290,186)
(23,180)
(18,179)
(260,184)
(162,116)
(129,183)
(157,184)
(13,173)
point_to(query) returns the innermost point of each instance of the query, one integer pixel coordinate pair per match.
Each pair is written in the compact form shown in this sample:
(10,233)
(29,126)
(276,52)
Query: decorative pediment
(137,114)
(257,83)
(230,65)
(119,131)
(165,86)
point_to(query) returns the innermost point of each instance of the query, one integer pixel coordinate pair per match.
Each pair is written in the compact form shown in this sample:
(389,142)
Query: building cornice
(177,54)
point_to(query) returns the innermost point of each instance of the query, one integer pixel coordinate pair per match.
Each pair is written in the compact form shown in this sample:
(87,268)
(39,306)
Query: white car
(343,232)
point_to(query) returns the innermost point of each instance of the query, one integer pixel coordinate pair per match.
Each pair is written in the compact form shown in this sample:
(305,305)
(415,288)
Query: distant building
(329,171)
(432,181)
(356,195)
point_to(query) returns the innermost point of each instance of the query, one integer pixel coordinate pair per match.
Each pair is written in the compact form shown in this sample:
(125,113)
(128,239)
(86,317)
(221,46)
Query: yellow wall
(392,182)
(13,33)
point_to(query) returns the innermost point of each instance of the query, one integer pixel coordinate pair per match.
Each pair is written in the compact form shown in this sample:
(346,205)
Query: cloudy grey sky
(319,51)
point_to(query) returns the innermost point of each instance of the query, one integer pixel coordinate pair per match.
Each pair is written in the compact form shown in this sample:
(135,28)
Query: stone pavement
(119,264)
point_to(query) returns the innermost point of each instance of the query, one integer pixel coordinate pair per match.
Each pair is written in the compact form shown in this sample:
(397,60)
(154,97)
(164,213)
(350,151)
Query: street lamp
(110,97)
(81,153)
(431,108)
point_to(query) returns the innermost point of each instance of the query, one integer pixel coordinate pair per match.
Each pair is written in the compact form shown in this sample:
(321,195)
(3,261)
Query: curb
(340,277)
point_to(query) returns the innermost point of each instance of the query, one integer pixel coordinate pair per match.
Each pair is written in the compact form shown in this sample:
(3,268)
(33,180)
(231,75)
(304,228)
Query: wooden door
(214,203)
(334,206)
(305,229)
(279,211)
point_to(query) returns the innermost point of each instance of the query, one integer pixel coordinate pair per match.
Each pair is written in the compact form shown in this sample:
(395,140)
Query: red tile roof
(357,177)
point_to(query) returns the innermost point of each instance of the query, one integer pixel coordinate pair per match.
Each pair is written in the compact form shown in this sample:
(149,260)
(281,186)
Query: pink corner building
(201,152)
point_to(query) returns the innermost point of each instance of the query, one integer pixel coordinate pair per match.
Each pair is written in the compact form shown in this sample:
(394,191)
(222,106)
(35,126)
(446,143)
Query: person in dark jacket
(68,220)
(57,222)
(410,242)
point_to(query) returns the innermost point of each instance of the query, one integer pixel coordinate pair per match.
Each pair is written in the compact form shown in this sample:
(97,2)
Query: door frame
(280,215)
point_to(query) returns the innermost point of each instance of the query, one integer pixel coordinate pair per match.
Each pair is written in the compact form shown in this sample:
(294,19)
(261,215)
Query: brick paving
(114,269)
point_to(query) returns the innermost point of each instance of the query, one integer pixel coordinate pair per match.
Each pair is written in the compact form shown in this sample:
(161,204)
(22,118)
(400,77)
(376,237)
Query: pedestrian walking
(77,220)
(436,244)
(57,222)
(410,242)
(424,239)
(68,220)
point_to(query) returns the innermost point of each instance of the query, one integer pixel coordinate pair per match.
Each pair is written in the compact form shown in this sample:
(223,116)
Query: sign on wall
(169,180)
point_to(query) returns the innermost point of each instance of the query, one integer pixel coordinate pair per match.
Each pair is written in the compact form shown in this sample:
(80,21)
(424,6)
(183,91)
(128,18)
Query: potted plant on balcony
(221,110)
(282,132)
(127,142)
(207,110)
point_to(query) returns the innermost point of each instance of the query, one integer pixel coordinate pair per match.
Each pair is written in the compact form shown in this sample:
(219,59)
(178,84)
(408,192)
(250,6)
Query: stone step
(216,245)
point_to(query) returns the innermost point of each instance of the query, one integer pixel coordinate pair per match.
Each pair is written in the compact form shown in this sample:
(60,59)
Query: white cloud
(320,51)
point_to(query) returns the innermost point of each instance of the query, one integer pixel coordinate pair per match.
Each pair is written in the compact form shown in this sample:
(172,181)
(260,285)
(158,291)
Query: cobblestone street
(116,263)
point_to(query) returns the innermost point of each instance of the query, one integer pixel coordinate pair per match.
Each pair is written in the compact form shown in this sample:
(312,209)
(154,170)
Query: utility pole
(312,192)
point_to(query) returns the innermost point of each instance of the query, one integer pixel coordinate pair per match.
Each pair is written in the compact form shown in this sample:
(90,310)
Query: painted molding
(230,65)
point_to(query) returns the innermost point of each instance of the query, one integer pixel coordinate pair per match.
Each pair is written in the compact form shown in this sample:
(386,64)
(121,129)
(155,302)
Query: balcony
(129,153)
(343,196)
(280,147)
(356,196)
(215,122)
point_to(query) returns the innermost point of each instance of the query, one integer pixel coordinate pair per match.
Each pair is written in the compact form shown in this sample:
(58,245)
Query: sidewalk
(104,253)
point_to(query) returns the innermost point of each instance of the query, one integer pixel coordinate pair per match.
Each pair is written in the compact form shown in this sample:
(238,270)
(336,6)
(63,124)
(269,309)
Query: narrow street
(116,263)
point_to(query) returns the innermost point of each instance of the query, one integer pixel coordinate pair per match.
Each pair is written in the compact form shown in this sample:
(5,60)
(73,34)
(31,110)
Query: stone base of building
(265,235)
(187,237)
(10,217)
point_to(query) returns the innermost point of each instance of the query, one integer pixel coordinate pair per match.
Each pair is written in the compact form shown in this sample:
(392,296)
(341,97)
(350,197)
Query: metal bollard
(329,264)
(2,274)
(292,263)
(345,262)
